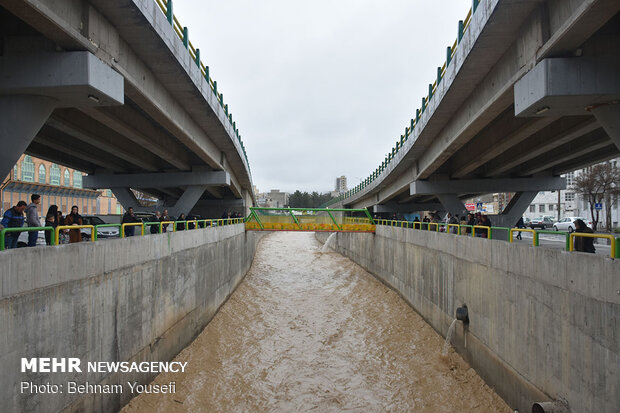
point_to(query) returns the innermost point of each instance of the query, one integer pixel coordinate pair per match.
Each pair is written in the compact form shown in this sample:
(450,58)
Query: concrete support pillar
(184,204)
(21,118)
(452,204)
(126,198)
(514,210)
(248,203)
(187,201)
(609,118)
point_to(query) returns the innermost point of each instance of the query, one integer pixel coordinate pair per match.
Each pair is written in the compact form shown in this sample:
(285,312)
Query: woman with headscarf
(51,220)
(583,244)
(74,218)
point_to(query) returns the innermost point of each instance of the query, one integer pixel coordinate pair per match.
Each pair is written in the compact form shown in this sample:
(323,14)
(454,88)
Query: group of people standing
(14,218)
(130,218)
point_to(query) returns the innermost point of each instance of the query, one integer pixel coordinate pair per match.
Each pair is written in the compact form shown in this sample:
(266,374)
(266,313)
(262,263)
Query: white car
(568,224)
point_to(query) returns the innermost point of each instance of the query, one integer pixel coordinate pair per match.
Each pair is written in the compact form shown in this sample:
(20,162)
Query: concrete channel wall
(544,324)
(133,299)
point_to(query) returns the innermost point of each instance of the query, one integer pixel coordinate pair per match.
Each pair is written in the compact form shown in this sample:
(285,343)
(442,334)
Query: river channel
(312,331)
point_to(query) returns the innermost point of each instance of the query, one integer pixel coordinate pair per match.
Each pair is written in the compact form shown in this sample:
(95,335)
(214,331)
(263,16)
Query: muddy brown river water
(313,331)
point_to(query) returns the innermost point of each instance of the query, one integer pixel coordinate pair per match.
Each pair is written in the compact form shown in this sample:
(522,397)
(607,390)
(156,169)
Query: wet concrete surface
(312,331)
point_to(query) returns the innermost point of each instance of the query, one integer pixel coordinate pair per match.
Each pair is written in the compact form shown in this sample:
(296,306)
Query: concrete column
(187,201)
(452,204)
(514,210)
(126,198)
(21,118)
(248,203)
(609,118)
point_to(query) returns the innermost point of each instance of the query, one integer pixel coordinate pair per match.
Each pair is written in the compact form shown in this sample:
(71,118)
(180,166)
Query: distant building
(566,203)
(341,184)
(57,185)
(276,199)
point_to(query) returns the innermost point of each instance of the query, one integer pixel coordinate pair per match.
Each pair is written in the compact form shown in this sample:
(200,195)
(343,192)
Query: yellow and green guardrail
(473,230)
(463,25)
(308,219)
(94,229)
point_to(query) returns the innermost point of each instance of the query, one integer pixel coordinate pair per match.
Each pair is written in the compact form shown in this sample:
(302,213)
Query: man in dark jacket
(13,218)
(129,218)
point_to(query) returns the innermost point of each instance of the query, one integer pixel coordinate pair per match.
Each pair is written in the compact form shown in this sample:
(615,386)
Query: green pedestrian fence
(471,229)
(25,229)
(542,231)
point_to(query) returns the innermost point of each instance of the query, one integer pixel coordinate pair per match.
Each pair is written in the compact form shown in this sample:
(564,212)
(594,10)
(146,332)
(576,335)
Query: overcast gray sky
(321,88)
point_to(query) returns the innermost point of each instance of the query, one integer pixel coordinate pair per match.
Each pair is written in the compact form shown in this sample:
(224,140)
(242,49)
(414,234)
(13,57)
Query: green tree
(300,199)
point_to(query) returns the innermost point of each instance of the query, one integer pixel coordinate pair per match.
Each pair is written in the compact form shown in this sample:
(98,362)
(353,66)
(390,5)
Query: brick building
(57,185)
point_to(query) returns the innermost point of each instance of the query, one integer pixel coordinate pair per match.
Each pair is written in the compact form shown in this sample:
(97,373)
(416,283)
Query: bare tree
(597,184)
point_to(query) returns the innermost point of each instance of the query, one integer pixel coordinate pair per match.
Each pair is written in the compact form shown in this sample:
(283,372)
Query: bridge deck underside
(494,143)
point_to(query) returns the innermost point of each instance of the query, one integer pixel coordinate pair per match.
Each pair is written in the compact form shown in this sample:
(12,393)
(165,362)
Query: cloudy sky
(321,88)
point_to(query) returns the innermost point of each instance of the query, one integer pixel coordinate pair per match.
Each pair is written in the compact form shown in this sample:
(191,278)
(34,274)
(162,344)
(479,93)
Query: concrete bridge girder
(33,85)
(154,180)
(194,119)
(406,208)
(194,184)
(482,186)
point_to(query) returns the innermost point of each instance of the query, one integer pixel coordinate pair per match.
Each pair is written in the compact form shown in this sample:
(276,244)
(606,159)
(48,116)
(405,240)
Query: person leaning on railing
(583,244)
(13,218)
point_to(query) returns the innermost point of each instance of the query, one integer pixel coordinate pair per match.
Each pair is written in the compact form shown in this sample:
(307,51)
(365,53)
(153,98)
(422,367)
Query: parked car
(541,222)
(107,232)
(568,224)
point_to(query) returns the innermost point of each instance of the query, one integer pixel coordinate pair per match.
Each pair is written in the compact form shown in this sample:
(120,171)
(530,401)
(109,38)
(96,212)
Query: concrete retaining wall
(545,324)
(133,299)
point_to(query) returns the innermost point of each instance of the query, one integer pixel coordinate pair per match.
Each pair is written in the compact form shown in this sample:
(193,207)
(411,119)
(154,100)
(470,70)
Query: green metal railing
(463,25)
(5,231)
(476,229)
(198,224)
(254,218)
(166,6)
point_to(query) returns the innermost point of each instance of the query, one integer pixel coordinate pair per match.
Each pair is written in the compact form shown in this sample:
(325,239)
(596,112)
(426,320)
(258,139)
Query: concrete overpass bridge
(116,89)
(111,88)
(529,91)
